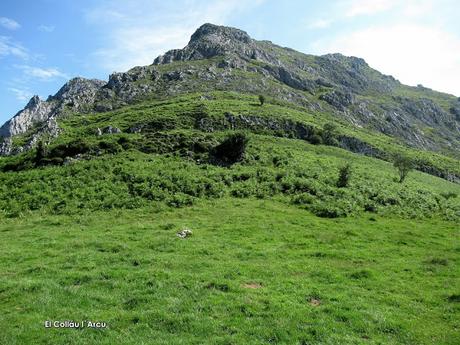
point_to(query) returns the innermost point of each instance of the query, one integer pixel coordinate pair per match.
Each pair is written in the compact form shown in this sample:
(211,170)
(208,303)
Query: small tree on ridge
(404,165)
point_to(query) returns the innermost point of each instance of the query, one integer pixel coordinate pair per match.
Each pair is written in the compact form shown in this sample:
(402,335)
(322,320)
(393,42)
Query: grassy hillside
(253,272)
(294,170)
(281,253)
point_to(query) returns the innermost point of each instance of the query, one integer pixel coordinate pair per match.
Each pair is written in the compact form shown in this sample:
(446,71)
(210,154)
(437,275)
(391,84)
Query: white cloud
(46,28)
(139,46)
(43,74)
(9,24)
(413,53)
(320,24)
(368,7)
(22,95)
(137,39)
(9,47)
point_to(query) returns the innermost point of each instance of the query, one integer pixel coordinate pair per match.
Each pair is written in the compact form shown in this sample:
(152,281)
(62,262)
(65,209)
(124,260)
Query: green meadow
(253,272)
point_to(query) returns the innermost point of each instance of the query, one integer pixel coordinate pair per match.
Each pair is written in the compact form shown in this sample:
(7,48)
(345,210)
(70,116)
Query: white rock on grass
(184,233)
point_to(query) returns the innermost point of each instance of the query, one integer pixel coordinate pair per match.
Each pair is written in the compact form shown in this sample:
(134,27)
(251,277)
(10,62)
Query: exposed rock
(135,129)
(111,130)
(34,112)
(174,75)
(256,124)
(232,62)
(291,79)
(338,99)
(358,146)
(124,88)
(184,233)
(425,110)
(213,40)
(6,145)
(78,93)
(455,110)
(353,73)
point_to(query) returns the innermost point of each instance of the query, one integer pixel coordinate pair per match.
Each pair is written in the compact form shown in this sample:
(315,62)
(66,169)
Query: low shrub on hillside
(232,149)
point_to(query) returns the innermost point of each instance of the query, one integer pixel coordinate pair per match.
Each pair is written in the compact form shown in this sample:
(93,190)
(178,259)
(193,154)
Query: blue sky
(43,43)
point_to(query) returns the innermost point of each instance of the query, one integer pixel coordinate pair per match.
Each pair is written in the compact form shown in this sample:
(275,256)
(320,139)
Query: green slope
(253,272)
(89,232)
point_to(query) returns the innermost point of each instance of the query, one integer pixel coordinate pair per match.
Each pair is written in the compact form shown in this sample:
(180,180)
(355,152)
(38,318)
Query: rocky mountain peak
(216,33)
(211,40)
(78,92)
(78,89)
(33,102)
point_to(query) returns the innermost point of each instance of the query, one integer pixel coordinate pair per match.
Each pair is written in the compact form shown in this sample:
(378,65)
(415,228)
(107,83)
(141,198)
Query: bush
(316,139)
(449,195)
(232,149)
(70,149)
(180,200)
(110,147)
(261,100)
(344,176)
(125,143)
(334,208)
(303,199)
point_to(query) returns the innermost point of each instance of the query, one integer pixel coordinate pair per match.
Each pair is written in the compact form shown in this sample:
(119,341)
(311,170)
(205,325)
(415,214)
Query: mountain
(232,192)
(344,90)
(344,86)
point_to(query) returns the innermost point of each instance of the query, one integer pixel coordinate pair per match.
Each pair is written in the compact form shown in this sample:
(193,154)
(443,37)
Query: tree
(261,100)
(404,165)
(330,134)
(40,153)
(344,176)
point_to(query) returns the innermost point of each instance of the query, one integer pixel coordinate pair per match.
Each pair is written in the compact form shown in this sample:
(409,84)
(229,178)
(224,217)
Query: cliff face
(223,58)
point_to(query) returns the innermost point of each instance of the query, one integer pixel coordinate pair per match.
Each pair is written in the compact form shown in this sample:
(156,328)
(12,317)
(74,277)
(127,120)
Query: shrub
(316,139)
(404,165)
(329,134)
(325,211)
(232,149)
(125,143)
(261,100)
(344,176)
(370,207)
(448,195)
(180,200)
(303,199)
(110,147)
(70,149)
(40,153)
(333,208)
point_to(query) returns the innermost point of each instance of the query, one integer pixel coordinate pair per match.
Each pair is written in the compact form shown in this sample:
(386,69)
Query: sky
(44,43)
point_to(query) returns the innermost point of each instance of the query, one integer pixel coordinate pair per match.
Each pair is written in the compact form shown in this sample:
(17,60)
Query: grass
(254,272)
(298,172)
(281,253)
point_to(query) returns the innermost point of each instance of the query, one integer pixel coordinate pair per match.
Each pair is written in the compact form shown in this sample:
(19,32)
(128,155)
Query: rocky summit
(345,89)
